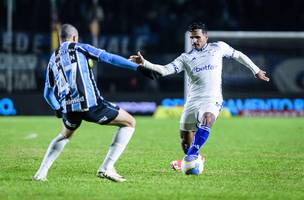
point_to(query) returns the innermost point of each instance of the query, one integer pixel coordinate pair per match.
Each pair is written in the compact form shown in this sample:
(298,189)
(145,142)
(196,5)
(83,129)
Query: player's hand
(139,59)
(262,76)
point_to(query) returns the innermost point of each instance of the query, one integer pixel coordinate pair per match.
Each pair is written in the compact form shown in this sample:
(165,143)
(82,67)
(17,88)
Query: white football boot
(111,174)
(39,178)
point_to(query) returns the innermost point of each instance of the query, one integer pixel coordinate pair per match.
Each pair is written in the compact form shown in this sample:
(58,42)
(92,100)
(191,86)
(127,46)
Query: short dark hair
(197,25)
(67,31)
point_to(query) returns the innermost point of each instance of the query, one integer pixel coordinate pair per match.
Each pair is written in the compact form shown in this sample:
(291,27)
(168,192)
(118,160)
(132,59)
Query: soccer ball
(192,165)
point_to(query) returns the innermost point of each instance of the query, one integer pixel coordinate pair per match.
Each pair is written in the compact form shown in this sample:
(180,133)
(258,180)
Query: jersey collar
(204,47)
(200,50)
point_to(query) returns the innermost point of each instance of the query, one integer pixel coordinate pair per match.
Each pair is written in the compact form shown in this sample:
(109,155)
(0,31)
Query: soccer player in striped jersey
(203,68)
(71,91)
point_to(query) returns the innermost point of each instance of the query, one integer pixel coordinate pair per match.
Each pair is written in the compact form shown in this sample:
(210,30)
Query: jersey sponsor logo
(203,68)
(73,101)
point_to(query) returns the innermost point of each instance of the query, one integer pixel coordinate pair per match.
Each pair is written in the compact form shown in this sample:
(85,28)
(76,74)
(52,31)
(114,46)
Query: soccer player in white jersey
(203,68)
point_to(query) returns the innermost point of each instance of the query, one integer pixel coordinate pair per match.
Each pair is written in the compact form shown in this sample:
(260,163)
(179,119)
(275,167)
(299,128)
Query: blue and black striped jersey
(70,84)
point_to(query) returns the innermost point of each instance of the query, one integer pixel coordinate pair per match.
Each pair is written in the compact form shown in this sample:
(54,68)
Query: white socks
(120,141)
(53,151)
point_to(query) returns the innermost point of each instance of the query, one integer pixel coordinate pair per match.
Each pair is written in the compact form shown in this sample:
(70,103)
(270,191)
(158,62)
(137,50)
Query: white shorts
(193,113)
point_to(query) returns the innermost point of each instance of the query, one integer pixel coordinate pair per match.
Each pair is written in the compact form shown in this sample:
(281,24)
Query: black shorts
(103,113)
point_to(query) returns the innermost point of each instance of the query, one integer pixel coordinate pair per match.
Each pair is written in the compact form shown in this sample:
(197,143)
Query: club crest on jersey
(203,68)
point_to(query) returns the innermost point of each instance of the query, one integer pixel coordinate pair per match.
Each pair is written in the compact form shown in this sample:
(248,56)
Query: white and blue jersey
(204,69)
(204,72)
(69,83)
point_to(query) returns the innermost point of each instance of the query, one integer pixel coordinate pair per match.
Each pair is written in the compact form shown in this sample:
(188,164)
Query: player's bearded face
(198,39)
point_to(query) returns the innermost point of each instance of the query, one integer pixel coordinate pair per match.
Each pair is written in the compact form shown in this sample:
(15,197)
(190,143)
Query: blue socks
(200,138)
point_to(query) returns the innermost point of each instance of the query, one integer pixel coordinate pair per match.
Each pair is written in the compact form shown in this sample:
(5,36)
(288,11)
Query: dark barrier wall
(22,73)
(283,59)
(23,104)
(34,103)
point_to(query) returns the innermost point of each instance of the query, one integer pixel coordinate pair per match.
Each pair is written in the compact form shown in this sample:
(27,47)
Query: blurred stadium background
(247,158)
(270,32)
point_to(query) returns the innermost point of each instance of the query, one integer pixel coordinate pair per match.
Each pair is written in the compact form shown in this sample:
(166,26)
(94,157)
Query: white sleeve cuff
(163,70)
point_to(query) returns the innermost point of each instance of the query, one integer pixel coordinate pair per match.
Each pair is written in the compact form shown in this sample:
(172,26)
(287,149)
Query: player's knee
(208,119)
(209,122)
(131,122)
(67,133)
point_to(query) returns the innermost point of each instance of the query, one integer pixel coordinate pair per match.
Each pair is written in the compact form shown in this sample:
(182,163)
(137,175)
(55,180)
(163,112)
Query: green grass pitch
(246,158)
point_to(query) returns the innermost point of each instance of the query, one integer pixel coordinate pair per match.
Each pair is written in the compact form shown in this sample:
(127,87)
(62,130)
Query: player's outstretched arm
(113,59)
(246,61)
(163,70)
(125,63)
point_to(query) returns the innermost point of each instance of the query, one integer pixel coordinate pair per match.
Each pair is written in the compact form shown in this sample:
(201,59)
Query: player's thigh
(209,112)
(102,114)
(107,113)
(123,119)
